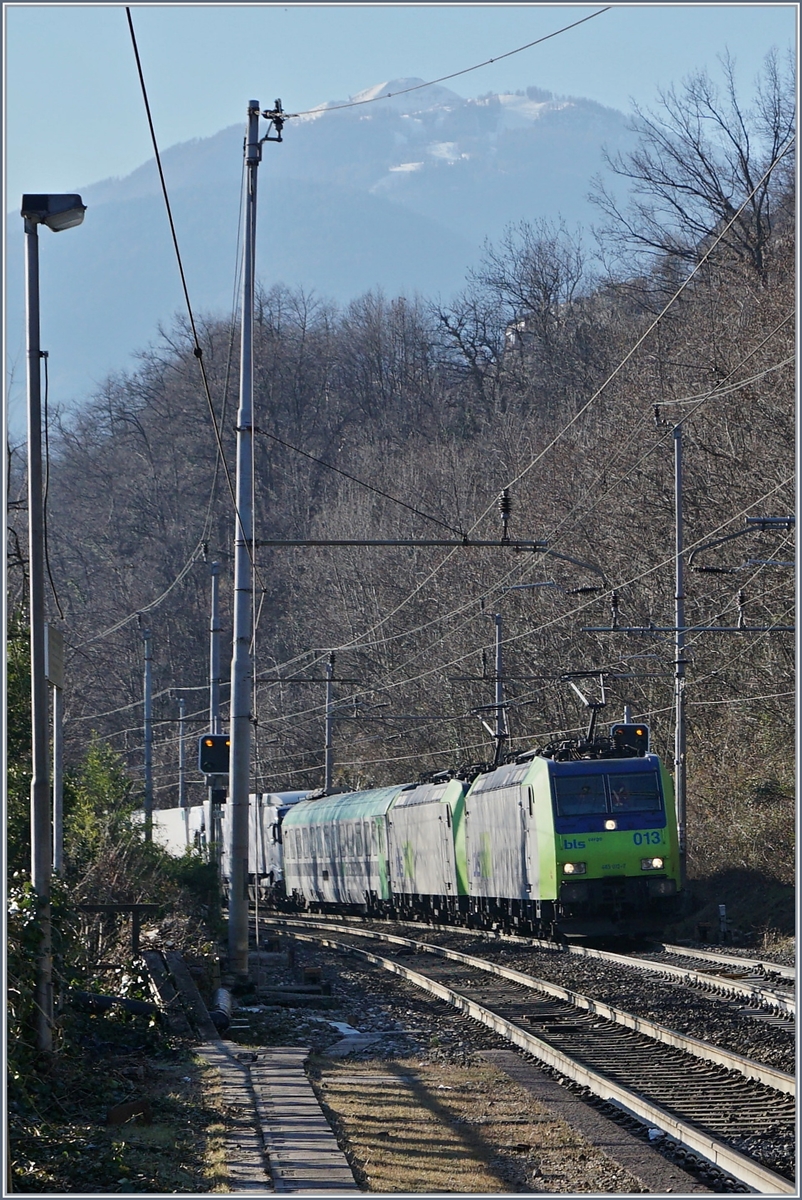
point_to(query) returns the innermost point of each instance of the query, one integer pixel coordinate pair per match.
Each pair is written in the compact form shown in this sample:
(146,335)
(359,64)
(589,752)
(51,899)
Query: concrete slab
(244,1145)
(277,1138)
(352,1044)
(302,1151)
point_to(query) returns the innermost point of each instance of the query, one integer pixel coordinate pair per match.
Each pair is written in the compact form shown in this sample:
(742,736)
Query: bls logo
(573,844)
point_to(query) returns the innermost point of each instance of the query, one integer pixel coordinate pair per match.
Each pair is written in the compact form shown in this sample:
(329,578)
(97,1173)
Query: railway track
(766,986)
(722,1107)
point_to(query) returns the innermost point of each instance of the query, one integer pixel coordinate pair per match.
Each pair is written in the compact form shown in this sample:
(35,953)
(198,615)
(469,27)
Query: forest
(560,373)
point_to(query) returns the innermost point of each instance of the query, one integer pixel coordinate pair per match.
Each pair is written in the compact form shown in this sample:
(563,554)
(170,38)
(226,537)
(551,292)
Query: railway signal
(213,753)
(631,737)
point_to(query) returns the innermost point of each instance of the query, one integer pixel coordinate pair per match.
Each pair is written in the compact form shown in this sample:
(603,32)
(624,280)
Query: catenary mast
(242,659)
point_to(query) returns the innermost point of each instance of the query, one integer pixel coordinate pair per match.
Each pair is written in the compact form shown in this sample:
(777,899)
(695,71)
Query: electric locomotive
(578,839)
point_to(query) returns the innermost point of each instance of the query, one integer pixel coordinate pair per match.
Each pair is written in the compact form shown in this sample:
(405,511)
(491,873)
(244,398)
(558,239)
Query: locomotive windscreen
(581,795)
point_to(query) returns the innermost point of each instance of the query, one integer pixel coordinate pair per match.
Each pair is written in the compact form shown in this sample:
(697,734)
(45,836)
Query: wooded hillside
(559,373)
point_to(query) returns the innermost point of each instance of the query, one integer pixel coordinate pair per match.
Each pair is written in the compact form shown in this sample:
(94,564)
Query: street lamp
(57,212)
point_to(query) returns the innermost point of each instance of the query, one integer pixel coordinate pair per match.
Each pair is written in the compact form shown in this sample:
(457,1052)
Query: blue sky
(74,111)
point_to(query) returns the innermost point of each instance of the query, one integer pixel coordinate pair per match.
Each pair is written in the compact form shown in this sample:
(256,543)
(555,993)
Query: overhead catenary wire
(118,625)
(571,613)
(314,711)
(198,350)
(220,457)
(369,487)
(310,112)
(650,328)
(361,639)
(698,401)
(390,498)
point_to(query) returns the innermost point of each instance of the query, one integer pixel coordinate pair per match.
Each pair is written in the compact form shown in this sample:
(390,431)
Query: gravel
(668,1002)
(414,1026)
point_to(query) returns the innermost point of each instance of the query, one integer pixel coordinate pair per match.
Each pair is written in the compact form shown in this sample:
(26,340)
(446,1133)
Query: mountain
(400,194)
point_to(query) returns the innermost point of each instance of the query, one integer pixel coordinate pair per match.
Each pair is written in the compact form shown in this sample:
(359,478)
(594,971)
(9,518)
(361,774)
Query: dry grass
(408,1126)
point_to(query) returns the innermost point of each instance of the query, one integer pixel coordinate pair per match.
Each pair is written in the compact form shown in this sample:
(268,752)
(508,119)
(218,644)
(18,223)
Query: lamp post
(57,212)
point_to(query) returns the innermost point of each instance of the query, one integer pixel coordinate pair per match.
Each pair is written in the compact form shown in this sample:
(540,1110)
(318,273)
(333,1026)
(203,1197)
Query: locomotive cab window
(585,795)
(578,795)
(635,792)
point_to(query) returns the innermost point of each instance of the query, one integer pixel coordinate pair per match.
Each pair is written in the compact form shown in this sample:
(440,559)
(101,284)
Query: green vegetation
(57,1104)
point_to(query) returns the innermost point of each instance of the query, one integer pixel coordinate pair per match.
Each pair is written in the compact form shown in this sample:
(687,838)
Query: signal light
(213,753)
(634,738)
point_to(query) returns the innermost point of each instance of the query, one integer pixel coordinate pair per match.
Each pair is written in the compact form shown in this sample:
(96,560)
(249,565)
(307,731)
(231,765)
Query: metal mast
(214,652)
(40,773)
(148,729)
(241,662)
(242,659)
(679,656)
(329,748)
(501,718)
(182,775)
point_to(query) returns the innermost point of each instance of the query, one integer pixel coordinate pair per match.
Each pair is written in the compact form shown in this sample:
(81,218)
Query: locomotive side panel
(421,836)
(496,826)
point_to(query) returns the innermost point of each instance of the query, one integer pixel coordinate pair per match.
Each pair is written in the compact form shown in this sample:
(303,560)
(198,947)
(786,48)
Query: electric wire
(563,616)
(220,457)
(698,402)
(699,399)
(784,150)
(632,351)
(201,544)
(198,350)
(443,78)
(361,639)
(362,483)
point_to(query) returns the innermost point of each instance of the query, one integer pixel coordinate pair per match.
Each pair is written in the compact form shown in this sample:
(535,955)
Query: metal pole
(148,723)
(41,854)
(679,661)
(182,781)
(501,721)
(241,662)
(217,794)
(329,750)
(58,780)
(214,653)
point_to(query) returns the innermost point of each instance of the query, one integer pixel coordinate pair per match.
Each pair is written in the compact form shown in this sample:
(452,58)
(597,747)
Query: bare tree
(706,165)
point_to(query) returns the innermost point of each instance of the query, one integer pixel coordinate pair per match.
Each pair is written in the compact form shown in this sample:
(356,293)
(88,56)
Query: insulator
(741,605)
(505,508)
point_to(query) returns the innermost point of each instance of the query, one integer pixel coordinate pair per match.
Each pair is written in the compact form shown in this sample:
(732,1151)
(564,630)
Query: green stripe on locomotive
(457,803)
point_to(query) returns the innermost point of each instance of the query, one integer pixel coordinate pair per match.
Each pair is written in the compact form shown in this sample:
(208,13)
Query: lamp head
(56,212)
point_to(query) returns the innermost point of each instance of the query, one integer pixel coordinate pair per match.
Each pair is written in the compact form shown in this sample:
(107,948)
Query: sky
(74,112)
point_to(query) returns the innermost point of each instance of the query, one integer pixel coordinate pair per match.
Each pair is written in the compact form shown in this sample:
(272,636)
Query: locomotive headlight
(574,868)
(610,824)
(652,864)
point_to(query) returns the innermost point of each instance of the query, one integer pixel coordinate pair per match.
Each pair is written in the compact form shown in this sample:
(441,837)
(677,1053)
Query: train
(578,839)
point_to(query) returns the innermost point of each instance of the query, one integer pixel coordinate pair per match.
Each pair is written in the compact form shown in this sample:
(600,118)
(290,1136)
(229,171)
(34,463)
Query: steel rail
(738,1165)
(747,1067)
(765,996)
(732,960)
